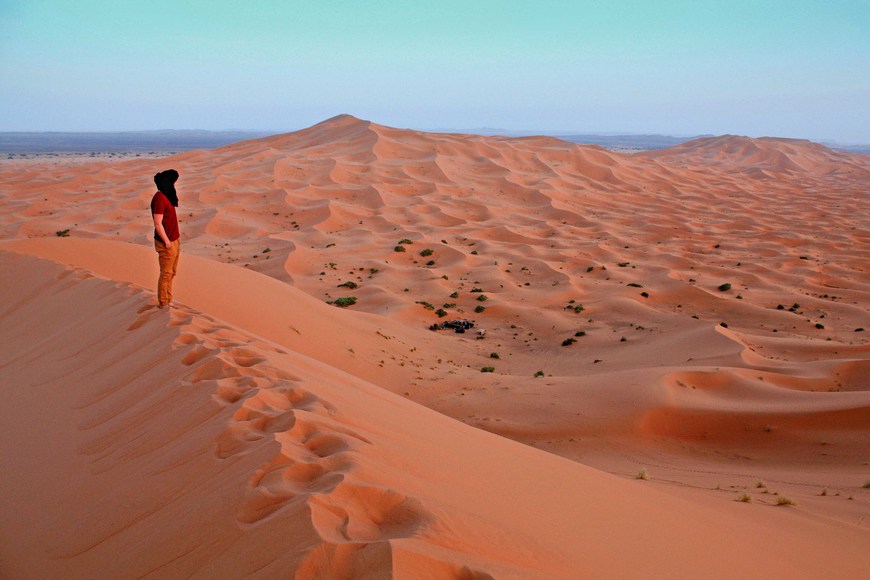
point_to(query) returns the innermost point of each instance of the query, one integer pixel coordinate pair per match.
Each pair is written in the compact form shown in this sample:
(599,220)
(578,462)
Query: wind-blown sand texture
(256,430)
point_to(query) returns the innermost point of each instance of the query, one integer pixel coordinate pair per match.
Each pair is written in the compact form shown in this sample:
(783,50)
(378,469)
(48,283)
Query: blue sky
(793,68)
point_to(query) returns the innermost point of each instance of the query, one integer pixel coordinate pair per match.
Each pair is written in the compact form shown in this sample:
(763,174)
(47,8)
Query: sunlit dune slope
(189,446)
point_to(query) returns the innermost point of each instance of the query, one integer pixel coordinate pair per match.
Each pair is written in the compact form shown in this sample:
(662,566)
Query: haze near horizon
(787,69)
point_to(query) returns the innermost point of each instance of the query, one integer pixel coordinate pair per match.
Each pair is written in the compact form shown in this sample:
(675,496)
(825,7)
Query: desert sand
(680,380)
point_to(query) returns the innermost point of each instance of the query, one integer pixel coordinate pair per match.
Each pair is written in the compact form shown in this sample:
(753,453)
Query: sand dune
(715,292)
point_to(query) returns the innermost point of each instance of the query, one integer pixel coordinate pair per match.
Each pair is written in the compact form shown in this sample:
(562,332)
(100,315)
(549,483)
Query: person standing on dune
(167,240)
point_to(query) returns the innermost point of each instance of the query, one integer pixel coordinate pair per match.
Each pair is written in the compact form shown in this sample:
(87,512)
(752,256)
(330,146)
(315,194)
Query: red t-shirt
(160,204)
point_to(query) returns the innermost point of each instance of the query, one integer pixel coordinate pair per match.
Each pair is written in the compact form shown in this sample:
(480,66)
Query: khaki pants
(168,258)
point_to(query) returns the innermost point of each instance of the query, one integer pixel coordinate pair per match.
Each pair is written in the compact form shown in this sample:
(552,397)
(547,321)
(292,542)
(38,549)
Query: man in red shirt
(166,237)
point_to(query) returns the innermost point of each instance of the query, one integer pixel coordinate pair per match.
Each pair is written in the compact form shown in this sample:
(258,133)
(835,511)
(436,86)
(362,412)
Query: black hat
(165,182)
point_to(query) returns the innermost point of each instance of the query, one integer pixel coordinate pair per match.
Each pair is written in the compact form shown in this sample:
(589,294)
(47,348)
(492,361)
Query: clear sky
(790,68)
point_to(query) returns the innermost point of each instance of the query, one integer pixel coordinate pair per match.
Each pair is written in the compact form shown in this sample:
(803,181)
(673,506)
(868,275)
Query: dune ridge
(261,464)
(696,311)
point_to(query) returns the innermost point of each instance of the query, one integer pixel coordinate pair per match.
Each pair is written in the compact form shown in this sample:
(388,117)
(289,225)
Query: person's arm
(158,225)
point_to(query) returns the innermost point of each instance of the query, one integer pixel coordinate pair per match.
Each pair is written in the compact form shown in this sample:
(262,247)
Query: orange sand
(256,430)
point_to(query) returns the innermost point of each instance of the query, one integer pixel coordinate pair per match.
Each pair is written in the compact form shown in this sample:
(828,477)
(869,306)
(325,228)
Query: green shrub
(539,374)
(725,287)
(62,233)
(405,241)
(345,302)
(494,355)
(482,298)
(487,370)
(479,309)
(350,284)
(441,313)
(399,249)
(427,252)
(569,341)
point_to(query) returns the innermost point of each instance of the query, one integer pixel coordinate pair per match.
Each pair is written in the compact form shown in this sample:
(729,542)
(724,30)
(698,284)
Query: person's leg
(165,259)
(176,252)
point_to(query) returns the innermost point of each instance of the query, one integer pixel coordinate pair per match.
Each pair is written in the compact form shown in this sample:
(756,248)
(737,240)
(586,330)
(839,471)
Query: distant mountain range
(123,141)
(173,141)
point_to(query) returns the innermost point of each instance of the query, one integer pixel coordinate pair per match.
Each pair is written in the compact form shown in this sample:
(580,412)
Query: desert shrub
(62,233)
(782,500)
(427,252)
(405,241)
(744,497)
(580,333)
(479,309)
(349,284)
(487,370)
(494,355)
(449,305)
(482,298)
(345,301)
(539,374)
(266,251)
(441,313)
(430,263)
(399,249)
(475,289)
(645,294)
(426,305)
(642,474)
(725,287)
(455,295)
(820,326)
(569,341)
(635,285)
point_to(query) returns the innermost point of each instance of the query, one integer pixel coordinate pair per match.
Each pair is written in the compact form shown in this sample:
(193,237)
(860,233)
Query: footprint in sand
(313,464)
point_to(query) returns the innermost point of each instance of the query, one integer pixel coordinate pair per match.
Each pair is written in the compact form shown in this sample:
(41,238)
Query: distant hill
(186,140)
(629,141)
(123,141)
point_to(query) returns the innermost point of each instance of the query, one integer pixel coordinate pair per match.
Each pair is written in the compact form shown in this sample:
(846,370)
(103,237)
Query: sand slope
(188,446)
(760,387)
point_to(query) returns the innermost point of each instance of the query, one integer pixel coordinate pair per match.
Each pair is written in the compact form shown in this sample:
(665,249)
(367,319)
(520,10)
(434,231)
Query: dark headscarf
(165,182)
